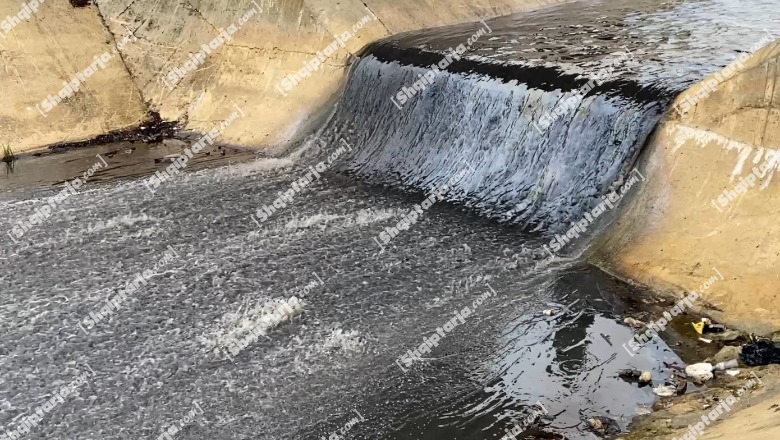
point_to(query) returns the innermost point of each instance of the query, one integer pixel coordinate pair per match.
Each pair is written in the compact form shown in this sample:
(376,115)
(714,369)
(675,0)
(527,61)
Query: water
(486,109)
(335,367)
(153,358)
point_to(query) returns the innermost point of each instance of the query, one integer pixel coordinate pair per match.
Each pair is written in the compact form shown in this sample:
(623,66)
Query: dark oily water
(486,109)
(154,358)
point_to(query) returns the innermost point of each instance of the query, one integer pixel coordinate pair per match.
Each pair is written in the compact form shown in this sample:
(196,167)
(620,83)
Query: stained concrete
(61,40)
(38,54)
(675,231)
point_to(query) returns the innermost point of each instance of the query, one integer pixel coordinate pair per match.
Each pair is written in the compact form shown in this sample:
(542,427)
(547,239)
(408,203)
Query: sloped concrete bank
(38,54)
(700,210)
(251,47)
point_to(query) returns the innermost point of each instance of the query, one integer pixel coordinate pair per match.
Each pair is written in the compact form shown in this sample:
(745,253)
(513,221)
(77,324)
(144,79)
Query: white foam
(126,220)
(344,341)
(262,319)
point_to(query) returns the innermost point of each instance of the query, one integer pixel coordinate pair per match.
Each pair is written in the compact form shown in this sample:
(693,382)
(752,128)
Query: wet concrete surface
(118,161)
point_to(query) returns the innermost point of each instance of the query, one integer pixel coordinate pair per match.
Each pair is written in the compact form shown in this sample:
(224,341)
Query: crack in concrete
(125,9)
(378,19)
(200,14)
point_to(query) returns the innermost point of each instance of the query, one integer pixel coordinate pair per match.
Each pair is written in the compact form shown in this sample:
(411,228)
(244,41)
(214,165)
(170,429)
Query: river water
(217,268)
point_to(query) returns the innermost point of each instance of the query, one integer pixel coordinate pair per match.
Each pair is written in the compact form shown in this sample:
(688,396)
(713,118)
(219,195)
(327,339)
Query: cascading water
(522,172)
(487,109)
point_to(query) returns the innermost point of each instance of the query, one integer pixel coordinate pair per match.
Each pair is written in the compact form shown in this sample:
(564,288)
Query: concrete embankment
(39,54)
(700,209)
(245,69)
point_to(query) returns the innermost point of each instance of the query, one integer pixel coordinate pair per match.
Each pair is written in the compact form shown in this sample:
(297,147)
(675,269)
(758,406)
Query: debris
(714,328)
(673,367)
(733,373)
(706,341)
(550,312)
(728,365)
(635,323)
(706,327)
(604,426)
(699,373)
(630,374)
(679,382)
(760,352)
(665,391)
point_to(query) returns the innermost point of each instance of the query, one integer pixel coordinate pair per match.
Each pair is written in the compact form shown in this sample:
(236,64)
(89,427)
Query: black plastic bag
(760,352)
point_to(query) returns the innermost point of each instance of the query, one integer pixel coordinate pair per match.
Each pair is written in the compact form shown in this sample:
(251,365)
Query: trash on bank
(699,373)
(728,365)
(706,326)
(760,352)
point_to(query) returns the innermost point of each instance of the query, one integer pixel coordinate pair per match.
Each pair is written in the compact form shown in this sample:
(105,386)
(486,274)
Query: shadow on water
(540,374)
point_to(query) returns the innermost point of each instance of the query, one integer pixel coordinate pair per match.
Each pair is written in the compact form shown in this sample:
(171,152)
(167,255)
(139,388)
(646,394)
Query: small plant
(8,154)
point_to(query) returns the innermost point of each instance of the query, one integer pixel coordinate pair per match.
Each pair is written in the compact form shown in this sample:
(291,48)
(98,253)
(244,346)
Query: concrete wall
(272,44)
(37,55)
(61,40)
(673,232)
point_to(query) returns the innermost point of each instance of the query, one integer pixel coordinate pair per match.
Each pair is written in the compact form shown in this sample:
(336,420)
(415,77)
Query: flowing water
(335,367)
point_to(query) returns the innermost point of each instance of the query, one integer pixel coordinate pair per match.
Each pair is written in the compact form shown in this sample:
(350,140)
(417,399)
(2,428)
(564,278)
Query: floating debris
(665,391)
(604,426)
(635,323)
(630,375)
